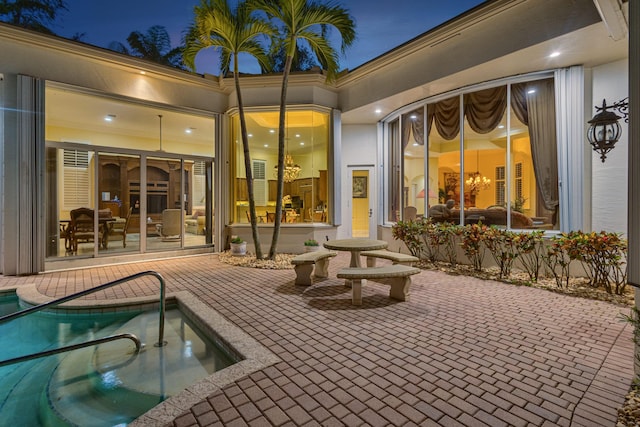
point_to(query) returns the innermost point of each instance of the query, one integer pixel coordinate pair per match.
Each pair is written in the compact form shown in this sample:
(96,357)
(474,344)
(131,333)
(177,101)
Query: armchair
(171,227)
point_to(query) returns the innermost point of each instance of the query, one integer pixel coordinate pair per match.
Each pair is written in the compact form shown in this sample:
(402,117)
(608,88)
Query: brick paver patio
(462,352)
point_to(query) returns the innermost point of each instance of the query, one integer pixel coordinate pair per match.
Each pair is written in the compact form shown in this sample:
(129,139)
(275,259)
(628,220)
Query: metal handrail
(46,353)
(59,301)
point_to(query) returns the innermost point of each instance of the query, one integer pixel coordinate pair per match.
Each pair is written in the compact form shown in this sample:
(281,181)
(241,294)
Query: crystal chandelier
(477,182)
(291,170)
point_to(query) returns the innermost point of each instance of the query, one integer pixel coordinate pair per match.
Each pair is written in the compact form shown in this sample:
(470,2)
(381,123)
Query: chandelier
(477,182)
(291,170)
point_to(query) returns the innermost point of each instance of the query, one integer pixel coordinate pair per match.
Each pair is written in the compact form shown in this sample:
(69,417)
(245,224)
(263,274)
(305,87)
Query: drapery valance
(483,109)
(413,122)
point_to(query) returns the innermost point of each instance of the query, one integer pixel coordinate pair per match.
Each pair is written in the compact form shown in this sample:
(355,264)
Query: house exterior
(489,110)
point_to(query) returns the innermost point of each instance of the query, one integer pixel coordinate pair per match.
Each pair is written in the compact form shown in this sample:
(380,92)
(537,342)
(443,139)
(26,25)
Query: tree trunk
(247,162)
(281,148)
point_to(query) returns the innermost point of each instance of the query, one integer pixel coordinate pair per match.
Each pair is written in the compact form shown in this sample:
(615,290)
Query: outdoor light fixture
(604,130)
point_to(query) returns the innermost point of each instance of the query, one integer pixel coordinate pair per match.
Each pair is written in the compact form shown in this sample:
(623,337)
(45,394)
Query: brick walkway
(463,351)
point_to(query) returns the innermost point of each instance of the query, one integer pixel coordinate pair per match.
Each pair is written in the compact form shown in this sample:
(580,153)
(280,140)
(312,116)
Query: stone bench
(395,257)
(304,265)
(398,275)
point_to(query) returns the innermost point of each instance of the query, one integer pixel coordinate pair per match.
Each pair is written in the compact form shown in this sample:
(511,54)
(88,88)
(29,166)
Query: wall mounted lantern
(604,130)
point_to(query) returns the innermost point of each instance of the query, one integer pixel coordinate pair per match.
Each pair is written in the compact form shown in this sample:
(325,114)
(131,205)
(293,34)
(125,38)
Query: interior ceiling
(69,109)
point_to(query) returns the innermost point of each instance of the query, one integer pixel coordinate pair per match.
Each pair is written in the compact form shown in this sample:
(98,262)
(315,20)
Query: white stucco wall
(359,148)
(609,179)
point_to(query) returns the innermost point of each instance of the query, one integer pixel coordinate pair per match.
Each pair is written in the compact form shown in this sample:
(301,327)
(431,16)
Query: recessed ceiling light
(109,117)
(378,111)
(302,143)
(415,144)
(501,127)
(554,54)
(250,135)
(272,131)
(266,145)
(413,117)
(530,91)
(143,72)
(188,130)
(297,135)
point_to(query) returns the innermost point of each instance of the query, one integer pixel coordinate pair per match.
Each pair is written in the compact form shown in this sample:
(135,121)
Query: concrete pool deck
(463,351)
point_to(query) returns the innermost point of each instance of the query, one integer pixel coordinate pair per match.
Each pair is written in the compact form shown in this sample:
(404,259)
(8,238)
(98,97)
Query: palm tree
(307,22)
(232,32)
(154,45)
(34,15)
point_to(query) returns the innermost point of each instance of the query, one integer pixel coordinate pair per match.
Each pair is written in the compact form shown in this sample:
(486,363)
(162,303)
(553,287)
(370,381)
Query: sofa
(493,216)
(195,223)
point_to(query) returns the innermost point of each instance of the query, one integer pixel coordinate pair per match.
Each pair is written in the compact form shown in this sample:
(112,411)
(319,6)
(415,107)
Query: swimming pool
(104,385)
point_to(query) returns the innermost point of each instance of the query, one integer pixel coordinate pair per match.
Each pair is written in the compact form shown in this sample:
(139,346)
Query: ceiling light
(413,117)
(415,144)
(378,111)
(501,127)
(554,54)
(143,72)
(530,91)
(302,143)
(297,135)
(250,135)
(266,145)
(109,117)
(188,130)
(272,131)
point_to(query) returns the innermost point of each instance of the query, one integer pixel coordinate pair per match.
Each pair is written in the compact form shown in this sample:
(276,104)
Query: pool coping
(254,355)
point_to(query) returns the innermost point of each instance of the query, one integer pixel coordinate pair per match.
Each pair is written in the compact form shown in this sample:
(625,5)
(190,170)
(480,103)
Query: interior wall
(609,179)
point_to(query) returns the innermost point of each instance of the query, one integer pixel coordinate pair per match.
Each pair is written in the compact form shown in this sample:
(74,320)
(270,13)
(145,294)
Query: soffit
(513,38)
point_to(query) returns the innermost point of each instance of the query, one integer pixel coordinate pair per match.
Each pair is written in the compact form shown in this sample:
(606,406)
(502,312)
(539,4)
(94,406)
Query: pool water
(103,385)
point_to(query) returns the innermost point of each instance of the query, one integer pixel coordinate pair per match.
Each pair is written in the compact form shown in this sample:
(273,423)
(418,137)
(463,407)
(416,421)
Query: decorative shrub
(603,255)
(311,242)
(410,233)
(530,248)
(502,246)
(472,244)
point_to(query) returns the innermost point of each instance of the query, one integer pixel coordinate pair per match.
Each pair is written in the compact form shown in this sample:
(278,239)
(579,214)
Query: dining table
(355,246)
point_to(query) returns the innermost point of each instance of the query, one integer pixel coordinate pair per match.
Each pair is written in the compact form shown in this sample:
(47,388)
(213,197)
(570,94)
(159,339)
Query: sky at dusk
(380,26)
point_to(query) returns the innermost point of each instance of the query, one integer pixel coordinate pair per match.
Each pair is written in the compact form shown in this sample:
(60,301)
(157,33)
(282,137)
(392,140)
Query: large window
(306,196)
(498,167)
(124,177)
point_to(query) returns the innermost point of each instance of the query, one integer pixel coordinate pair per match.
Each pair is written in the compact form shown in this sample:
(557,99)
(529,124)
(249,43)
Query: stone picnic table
(355,246)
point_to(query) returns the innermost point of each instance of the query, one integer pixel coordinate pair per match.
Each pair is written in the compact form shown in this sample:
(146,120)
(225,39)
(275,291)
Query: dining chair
(81,229)
(119,228)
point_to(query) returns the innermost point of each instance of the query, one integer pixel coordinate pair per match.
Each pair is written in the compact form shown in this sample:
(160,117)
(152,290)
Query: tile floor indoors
(461,352)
